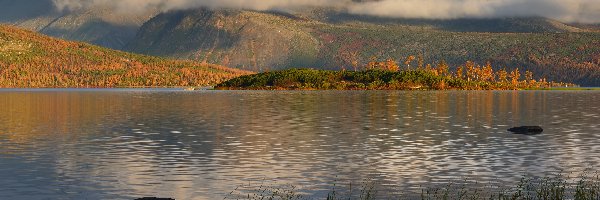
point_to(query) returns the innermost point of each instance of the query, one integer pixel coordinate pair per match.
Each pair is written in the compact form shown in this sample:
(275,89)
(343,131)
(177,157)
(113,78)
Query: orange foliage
(48,62)
(476,75)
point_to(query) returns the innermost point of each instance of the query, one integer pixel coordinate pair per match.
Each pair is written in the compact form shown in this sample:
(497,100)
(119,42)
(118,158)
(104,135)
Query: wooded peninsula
(388,75)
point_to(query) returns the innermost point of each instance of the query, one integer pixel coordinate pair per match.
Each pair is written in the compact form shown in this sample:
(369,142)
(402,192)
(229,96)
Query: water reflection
(201,145)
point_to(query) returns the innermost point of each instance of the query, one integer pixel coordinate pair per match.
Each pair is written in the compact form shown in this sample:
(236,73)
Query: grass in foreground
(548,188)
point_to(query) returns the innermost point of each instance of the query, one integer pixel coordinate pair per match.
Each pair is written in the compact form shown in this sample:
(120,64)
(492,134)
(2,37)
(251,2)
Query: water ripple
(125,144)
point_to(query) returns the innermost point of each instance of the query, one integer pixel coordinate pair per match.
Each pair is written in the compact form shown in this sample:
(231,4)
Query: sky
(583,11)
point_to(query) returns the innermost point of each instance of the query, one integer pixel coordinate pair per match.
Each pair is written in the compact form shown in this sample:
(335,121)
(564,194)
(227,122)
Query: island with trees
(389,75)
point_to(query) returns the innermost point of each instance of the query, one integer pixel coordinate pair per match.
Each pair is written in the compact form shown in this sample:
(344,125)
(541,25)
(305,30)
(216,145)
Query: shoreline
(419,89)
(212,88)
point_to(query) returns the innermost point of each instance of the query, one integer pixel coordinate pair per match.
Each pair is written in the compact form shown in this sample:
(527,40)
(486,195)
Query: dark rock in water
(154,198)
(527,130)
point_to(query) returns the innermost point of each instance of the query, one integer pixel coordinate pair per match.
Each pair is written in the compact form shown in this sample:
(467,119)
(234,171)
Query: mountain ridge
(98,25)
(327,38)
(262,41)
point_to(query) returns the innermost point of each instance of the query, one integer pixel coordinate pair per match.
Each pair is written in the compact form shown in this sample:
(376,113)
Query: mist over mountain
(99,25)
(15,10)
(114,24)
(584,11)
(587,11)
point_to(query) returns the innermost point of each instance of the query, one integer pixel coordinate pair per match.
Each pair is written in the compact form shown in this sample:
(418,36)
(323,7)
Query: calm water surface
(121,144)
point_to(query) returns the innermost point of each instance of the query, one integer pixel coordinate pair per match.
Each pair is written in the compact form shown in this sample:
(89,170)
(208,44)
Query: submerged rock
(527,130)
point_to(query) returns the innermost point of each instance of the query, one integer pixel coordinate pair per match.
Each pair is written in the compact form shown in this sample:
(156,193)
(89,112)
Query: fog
(140,5)
(587,11)
(584,11)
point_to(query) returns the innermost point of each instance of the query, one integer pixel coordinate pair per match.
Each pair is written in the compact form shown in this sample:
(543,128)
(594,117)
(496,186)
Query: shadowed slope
(262,41)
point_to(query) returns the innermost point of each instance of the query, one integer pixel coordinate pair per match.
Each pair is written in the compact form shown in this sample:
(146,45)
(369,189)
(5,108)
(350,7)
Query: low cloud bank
(583,11)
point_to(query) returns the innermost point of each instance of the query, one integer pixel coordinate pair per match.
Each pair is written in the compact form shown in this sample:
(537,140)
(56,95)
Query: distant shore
(572,88)
(199,88)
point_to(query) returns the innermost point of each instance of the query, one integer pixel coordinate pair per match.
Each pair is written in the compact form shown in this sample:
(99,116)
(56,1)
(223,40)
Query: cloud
(564,10)
(587,11)
(137,5)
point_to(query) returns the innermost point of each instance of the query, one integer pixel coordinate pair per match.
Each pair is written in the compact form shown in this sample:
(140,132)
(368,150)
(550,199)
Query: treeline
(470,72)
(389,75)
(29,59)
(566,57)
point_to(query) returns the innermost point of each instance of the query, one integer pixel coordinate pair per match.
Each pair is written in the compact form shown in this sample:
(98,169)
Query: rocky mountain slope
(262,41)
(244,39)
(98,25)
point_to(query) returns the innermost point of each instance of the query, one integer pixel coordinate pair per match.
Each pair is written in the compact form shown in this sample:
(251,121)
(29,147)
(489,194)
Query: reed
(557,187)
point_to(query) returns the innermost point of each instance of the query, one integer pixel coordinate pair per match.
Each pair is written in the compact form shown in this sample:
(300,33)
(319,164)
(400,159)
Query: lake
(129,143)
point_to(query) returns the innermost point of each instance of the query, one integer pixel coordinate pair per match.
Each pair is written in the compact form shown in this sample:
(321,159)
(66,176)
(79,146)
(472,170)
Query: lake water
(122,144)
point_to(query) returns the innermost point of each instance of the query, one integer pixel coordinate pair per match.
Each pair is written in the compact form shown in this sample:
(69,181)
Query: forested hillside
(29,59)
(262,41)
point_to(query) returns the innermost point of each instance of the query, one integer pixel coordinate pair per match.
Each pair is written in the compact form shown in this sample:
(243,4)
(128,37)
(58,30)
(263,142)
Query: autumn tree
(459,72)
(528,76)
(470,70)
(428,68)
(373,64)
(502,75)
(487,72)
(442,68)
(391,65)
(421,61)
(409,60)
(515,75)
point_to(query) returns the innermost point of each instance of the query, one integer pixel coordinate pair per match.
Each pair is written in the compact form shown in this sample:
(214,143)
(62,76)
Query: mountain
(245,39)
(29,59)
(494,25)
(592,27)
(262,41)
(322,38)
(97,25)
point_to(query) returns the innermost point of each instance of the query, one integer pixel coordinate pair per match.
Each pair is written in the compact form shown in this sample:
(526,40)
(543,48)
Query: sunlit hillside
(29,59)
